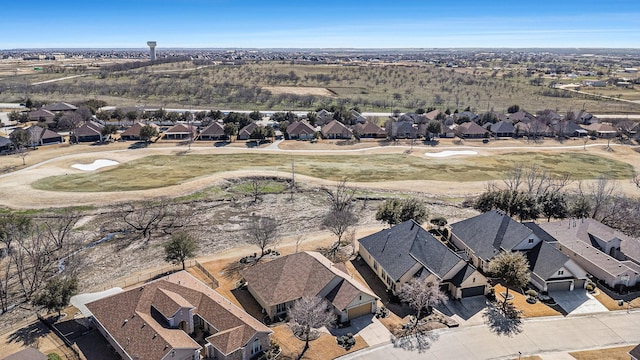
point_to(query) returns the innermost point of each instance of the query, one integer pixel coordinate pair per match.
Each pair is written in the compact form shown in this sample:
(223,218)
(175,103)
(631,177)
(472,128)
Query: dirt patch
(616,353)
(300,90)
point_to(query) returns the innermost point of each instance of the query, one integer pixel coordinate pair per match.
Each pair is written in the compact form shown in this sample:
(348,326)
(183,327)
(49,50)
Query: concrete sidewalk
(548,337)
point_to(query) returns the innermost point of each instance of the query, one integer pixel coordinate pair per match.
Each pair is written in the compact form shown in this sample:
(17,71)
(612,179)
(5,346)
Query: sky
(320,24)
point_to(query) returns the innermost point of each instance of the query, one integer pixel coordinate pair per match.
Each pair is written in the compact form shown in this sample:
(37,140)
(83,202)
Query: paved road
(539,336)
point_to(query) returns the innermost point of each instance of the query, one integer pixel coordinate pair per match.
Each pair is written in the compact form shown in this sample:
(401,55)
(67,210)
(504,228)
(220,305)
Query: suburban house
(635,353)
(181,132)
(403,129)
(245,132)
(215,131)
(278,283)
(324,116)
(501,129)
(90,131)
(471,130)
(60,107)
(603,252)
(369,130)
(300,130)
(42,115)
(336,130)
(484,236)
(407,251)
(602,130)
(177,317)
(521,116)
(41,136)
(133,132)
(568,128)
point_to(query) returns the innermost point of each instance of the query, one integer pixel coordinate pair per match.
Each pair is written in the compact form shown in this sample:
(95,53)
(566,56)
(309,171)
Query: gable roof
(37,133)
(89,128)
(134,130)
(291,277)
(181,129)
(569,230)
(488,233)
(335,127)
(41,113)
(61,106)
(248,129)
(128,316)
(400,247)
(545,260)
(367,128)
(502,127)
(300,127)
(471,128)
(215,129)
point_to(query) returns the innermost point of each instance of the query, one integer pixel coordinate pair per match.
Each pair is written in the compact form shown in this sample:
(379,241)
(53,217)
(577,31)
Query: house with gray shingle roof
(635,353)
(40,136)
(278,283)
(603,252)
(157,320)
(501,129)
(407,251)
(484,236)
(61,106)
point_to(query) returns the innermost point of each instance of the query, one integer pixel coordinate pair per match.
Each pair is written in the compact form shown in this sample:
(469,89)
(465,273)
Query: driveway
(578,302)
(368,327)
(466,311)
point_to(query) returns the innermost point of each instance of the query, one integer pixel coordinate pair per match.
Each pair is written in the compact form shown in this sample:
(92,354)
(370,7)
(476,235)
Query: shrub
(531,293)
(53,356)
(590,287)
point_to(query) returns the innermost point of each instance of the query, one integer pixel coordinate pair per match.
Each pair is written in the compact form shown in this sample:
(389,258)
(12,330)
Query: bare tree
(6,276)
(338,222)
(601,192)
(148,217)
(341,199)
(309,313)
(59,227)
(34,262)
(257,187)
(421,295)
(262,232)
(513,178)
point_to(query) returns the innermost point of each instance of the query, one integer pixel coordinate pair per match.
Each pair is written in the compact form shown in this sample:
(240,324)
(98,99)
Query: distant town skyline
(327,24)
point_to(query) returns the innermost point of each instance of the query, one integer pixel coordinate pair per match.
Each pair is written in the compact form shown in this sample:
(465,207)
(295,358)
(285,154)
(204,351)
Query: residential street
(539,336)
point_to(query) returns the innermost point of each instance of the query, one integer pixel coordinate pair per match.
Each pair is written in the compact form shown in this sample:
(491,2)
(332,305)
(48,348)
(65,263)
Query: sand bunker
(451,153)
(100,163)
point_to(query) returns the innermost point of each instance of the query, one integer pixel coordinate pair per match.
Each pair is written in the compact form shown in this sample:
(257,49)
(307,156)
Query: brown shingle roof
(181,129)
(134,130)
(300,127)
(27,354)
(301,274)
(369,128)
(336,128)
(215,129)
(89,128)
(147,337)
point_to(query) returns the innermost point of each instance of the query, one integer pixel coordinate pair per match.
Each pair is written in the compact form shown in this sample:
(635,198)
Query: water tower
(152,50)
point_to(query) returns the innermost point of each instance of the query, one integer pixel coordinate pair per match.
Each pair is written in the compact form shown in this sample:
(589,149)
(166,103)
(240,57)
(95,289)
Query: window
(530,241)
(560,272)
(375,265)
(256,347)
(280,308)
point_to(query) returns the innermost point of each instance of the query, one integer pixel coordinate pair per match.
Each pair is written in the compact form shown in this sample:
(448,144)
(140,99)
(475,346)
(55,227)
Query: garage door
(473,291)
(359,311)
(559,286)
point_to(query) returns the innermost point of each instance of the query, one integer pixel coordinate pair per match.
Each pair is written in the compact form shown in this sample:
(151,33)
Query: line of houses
(180,317)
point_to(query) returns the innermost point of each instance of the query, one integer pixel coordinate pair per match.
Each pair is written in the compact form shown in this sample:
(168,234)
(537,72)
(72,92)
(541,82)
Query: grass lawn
(520,302)
(165,170)
(612,304)
(325,347)
(616,353)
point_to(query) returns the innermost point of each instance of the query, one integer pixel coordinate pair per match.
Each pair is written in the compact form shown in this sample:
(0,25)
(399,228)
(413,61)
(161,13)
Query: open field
(164,170)
(275,85)
(617,353)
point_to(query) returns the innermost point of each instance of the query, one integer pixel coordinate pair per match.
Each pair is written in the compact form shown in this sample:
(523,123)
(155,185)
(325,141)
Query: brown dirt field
(323,348)
(616,353)
(299,90)
(528,310)
(612,304)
